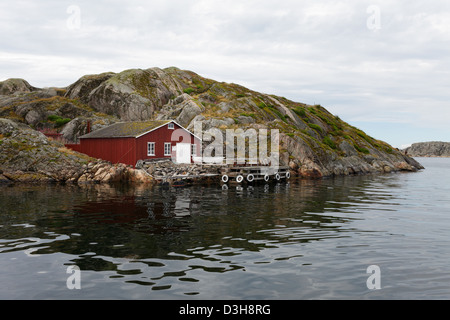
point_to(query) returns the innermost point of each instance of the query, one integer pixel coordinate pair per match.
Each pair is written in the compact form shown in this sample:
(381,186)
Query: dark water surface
(302,240)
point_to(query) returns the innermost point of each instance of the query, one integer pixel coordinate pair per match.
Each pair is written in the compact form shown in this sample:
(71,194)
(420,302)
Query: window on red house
(167,149)
(151,149)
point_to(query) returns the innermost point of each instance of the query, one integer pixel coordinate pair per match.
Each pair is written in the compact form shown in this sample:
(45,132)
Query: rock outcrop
(15,86)
(167,170)
(429,149)
(313,142)
(27,155)
(130,95)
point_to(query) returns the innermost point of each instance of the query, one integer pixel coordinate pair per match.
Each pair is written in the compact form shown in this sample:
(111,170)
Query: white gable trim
(172,121)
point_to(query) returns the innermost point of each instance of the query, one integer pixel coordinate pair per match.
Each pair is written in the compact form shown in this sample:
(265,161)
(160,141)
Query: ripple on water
(308,239)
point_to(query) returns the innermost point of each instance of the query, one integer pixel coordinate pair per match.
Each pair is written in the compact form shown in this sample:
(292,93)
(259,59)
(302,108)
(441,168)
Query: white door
(183,153)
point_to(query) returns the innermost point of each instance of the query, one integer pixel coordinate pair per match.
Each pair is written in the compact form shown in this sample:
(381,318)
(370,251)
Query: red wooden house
(129,142)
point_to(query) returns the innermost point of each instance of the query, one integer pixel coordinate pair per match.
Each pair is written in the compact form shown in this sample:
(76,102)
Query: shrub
(290,134)
(327,140)
(315,127)
(300,111)
(278,113)
(53,117)
(363,135)
(59,121)
(312,110)
(188,90)
(361,149)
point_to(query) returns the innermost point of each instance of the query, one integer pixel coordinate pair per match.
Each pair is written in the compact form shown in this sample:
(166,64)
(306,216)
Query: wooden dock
(230,175)
(252,174)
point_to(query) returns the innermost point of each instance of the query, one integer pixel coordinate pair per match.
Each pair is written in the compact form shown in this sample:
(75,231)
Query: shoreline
(102,172)
(430,156)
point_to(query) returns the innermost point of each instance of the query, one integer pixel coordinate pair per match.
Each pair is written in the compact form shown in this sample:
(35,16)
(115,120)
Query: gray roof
(126,129)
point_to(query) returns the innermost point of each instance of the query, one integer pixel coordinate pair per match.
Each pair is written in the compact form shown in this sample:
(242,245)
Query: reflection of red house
(129,142)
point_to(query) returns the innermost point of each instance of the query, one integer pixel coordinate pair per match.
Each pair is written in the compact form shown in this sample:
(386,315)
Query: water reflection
(147,236)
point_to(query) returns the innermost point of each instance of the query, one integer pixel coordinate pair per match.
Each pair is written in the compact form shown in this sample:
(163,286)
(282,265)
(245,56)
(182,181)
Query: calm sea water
(301,240)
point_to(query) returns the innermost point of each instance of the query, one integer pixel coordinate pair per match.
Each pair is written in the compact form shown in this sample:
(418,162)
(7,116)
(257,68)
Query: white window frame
(167,149)
(193,150)
(150,149)
(171,126)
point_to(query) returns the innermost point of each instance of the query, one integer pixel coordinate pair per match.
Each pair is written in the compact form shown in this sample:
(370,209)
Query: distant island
(429,149)
(313,142)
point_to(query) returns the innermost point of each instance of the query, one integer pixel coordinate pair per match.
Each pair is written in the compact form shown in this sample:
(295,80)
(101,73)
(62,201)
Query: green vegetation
(361,149)
(388,149)
(315,127)
(300,111)
(248,115)
(272,110)
(278,113)
(327,140)
(57,120)
(364,136)
(312,110)
(188,90)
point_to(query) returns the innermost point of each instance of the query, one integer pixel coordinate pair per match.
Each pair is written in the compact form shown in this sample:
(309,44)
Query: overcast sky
(382,66)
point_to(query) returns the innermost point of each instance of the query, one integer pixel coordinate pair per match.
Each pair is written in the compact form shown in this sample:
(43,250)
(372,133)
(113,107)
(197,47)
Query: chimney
(88,129)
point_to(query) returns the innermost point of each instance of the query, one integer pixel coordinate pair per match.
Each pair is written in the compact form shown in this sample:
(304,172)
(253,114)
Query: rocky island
(313,142)
(429,149)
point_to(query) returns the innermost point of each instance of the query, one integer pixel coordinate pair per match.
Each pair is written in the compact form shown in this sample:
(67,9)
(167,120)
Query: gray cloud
(303,50)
